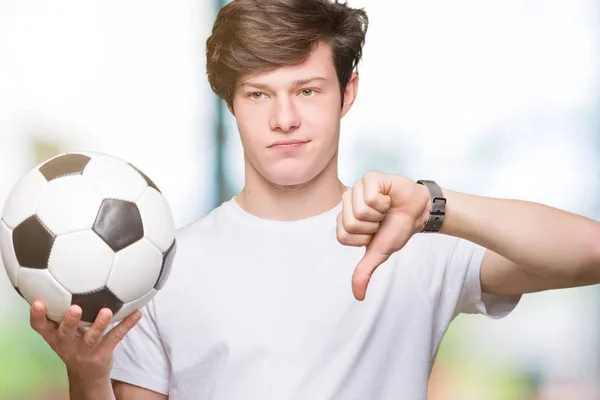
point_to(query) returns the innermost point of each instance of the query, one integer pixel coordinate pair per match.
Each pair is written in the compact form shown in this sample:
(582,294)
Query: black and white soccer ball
(87,229)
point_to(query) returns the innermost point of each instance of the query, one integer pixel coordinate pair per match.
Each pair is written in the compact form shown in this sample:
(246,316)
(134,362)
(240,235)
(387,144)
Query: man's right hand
(87,355)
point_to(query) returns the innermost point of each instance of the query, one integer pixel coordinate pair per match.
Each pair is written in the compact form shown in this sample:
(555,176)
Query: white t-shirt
(257,309)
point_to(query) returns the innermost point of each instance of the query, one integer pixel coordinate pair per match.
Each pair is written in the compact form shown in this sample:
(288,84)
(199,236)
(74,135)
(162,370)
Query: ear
(230,107)
(350,93)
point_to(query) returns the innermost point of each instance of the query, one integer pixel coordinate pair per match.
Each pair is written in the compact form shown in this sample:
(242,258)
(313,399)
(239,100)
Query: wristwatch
(437,211)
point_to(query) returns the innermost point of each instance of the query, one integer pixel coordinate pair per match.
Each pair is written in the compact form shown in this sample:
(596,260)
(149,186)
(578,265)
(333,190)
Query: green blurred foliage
(29,368)
(476,378)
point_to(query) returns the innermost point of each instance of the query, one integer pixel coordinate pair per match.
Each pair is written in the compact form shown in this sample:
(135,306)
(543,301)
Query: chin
(289,182)
(293,179)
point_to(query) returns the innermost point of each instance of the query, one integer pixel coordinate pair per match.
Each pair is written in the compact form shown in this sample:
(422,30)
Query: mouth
(288,144)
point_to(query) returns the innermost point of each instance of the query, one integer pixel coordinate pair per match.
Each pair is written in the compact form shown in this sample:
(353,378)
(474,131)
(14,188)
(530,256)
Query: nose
(284,116)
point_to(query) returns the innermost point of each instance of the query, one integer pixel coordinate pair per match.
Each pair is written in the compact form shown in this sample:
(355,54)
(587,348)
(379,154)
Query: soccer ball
(87,229)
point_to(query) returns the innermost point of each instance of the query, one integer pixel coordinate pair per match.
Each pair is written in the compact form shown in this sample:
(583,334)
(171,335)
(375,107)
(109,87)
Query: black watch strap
(437,211)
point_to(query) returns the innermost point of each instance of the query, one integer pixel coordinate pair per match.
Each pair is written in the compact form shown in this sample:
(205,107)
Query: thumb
(364,270)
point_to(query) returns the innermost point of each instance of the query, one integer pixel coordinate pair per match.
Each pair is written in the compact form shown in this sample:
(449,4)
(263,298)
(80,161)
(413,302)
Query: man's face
(289,118)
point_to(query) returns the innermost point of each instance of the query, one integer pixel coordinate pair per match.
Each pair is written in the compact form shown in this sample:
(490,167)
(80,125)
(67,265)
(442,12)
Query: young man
(262,299)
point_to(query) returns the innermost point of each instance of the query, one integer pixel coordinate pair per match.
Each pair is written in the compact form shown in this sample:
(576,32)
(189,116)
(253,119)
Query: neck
(289,203)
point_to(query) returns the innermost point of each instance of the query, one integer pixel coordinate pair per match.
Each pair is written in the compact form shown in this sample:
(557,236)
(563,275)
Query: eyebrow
(298,82)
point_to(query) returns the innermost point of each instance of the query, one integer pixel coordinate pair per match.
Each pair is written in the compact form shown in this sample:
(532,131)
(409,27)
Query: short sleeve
(473,301)
(140,359)
(450,275)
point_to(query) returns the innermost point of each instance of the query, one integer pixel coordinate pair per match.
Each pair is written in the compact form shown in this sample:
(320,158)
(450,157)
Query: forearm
(99,390)
(545,240)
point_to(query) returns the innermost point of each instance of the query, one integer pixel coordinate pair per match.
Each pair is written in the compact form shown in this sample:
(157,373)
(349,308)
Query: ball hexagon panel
(68,204)
(92,302)
(135,270)
(101,172)
(136,304)
(167,263)
(9,258)
(159,225)
(81,261)
(39,284)
(119,223)
(23,199)
(64,165)
(32,242)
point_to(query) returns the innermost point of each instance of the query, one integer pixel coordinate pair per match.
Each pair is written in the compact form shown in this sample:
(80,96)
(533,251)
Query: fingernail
(104,317)
(37,307)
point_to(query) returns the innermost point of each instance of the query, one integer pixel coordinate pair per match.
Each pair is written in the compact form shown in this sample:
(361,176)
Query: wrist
(425,201)
(84,379)
(89,388)
(459,207)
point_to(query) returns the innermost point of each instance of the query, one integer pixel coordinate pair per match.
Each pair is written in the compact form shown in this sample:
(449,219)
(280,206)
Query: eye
(308,92)
(256,95)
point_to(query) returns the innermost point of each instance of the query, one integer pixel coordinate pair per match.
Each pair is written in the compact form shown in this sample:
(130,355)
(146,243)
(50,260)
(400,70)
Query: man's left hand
(381,212)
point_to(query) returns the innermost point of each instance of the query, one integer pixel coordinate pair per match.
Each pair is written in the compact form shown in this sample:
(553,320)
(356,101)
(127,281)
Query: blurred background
(497,98)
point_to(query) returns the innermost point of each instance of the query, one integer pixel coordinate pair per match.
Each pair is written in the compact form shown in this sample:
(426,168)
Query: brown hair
(258,35)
